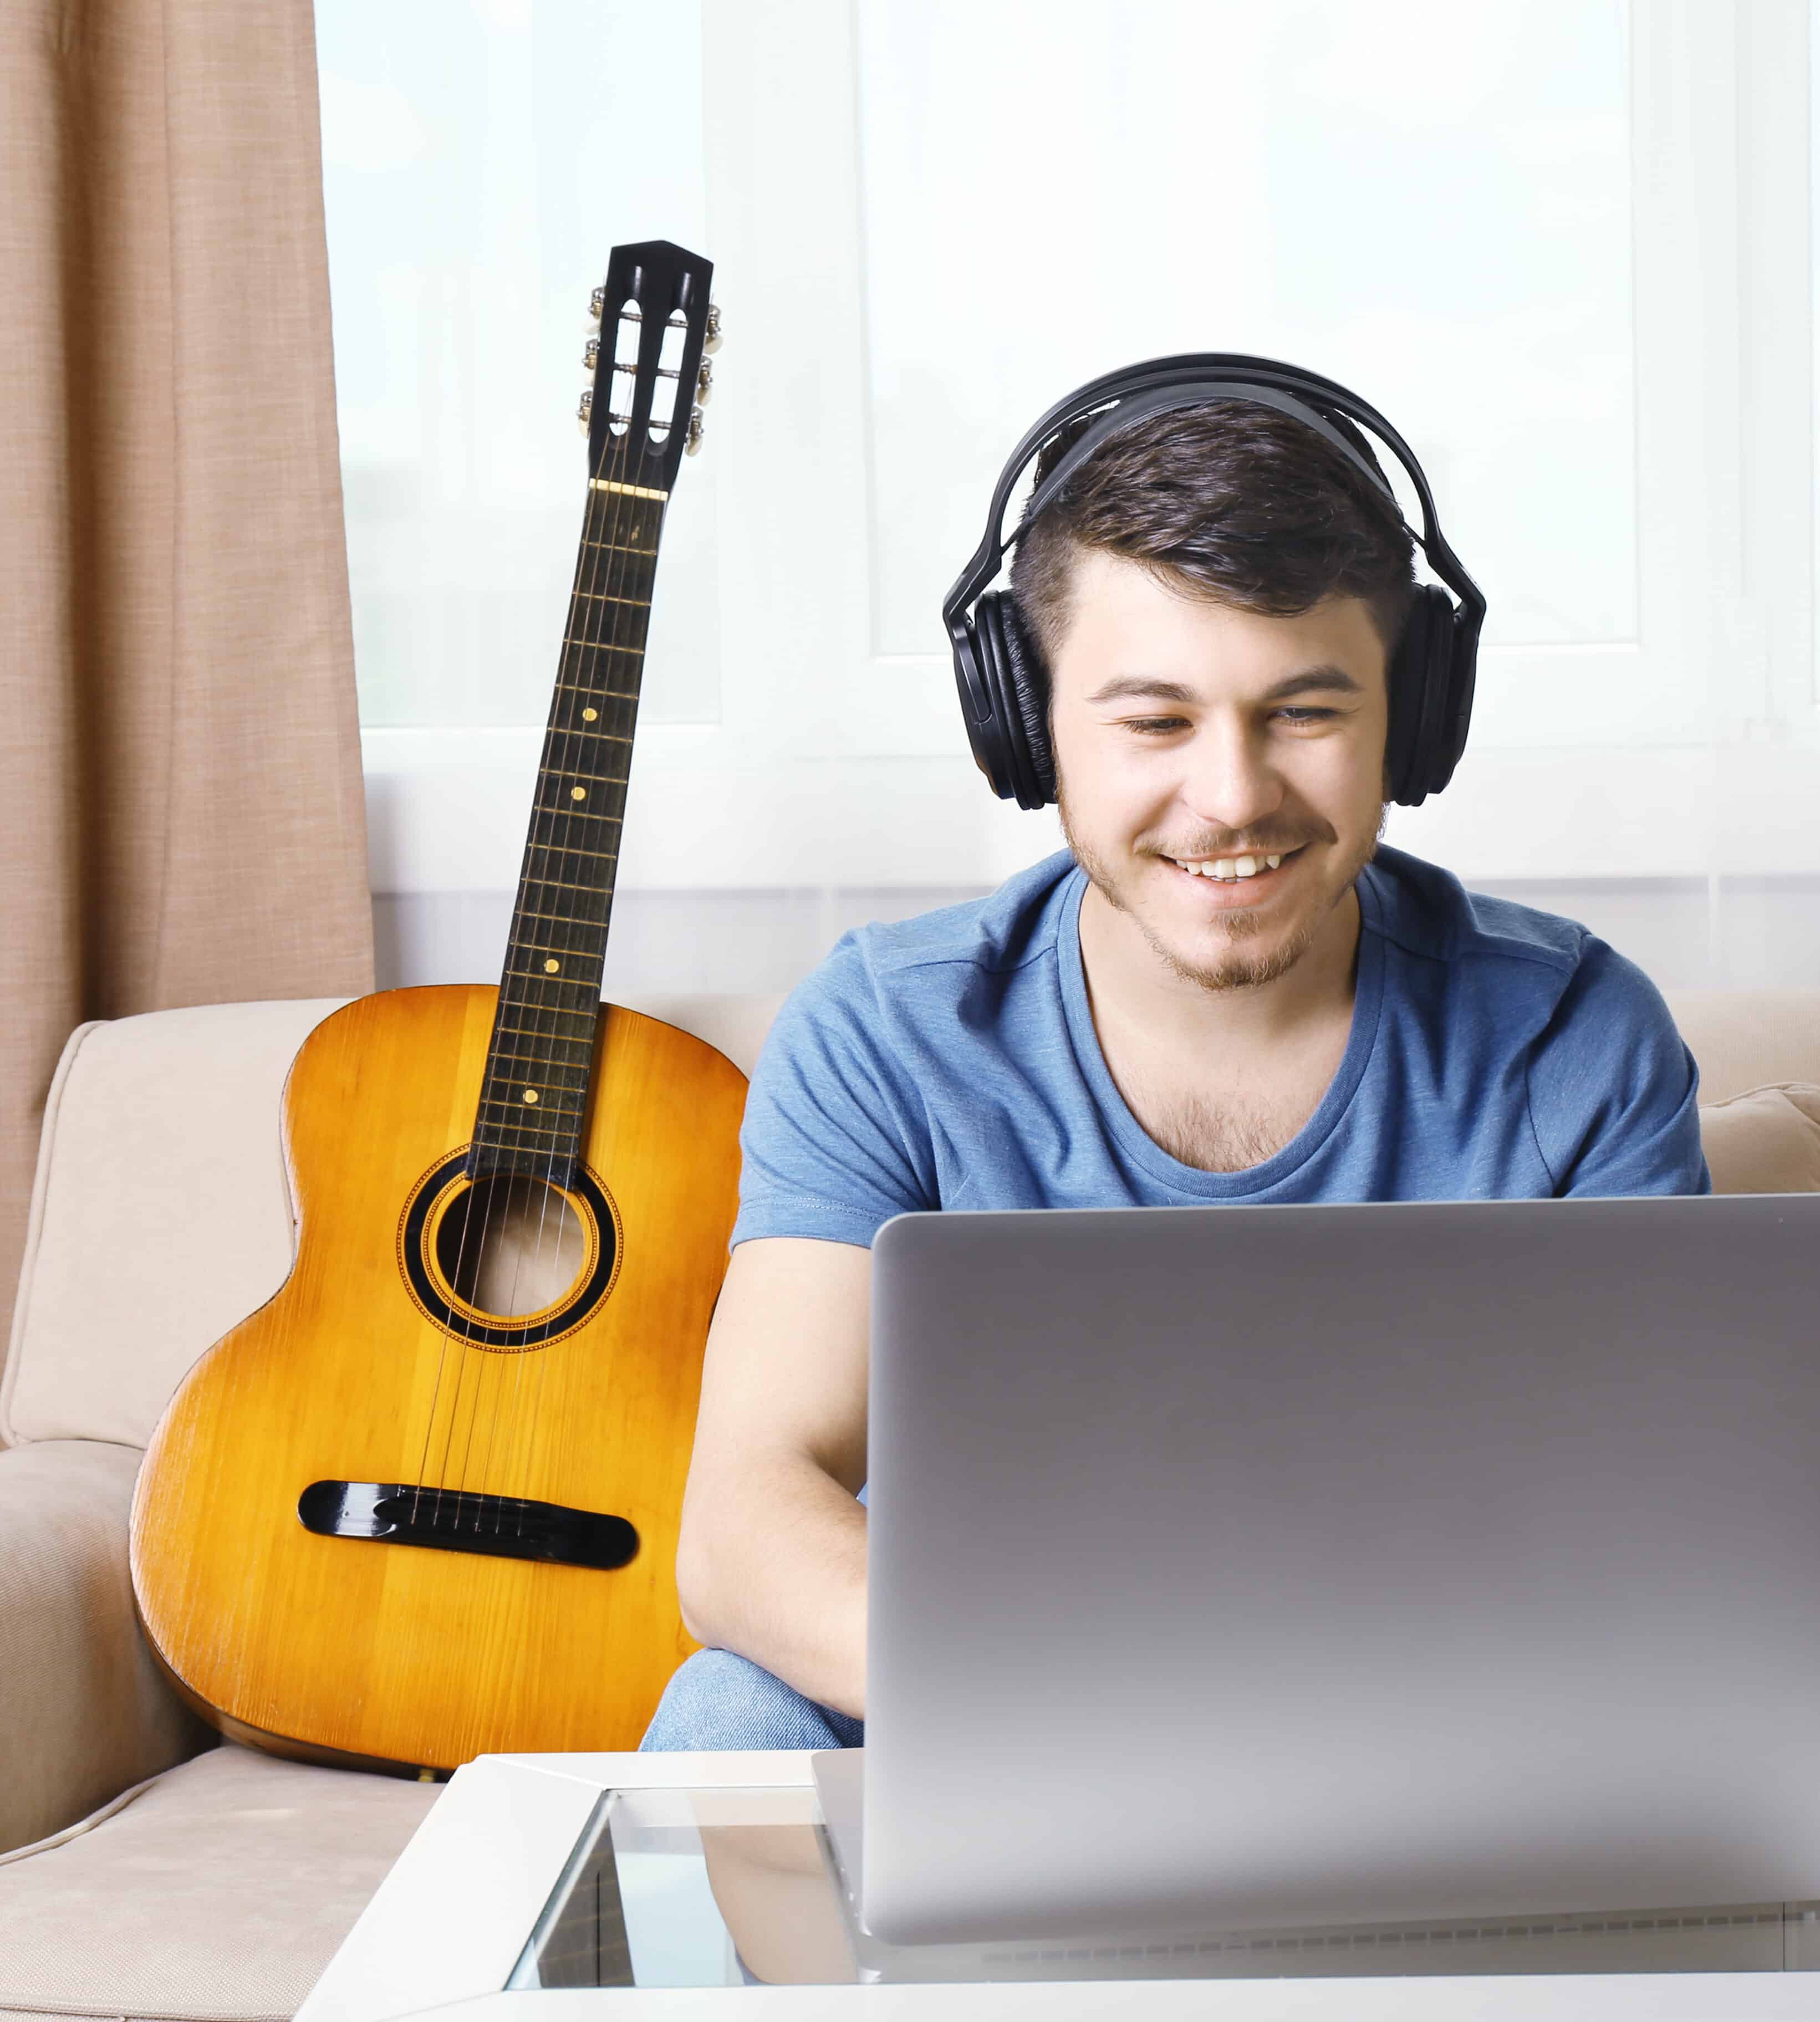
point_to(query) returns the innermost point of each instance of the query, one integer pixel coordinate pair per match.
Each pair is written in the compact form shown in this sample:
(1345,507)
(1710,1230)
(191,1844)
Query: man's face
(1190,736)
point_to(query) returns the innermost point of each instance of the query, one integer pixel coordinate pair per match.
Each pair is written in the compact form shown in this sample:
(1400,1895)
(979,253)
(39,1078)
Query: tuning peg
(703,383)
(591,356)
(584,414)
(598,304)
(692,441)
(712,340)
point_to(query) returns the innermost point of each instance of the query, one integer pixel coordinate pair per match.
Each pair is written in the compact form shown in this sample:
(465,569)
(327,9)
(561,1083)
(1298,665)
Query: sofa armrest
(84,1710)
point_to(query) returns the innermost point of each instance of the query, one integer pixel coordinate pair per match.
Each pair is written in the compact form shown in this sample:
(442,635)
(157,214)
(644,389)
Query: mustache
(1254,843)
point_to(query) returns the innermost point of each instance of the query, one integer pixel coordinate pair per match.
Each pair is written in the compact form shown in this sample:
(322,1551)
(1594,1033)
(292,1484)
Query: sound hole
(511,1246)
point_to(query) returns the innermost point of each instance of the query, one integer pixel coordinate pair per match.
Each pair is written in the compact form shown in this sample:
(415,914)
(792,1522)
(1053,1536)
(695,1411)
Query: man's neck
(1221,1079)
(1132,985)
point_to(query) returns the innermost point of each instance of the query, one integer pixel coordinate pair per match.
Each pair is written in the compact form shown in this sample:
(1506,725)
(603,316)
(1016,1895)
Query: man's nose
(1229,782)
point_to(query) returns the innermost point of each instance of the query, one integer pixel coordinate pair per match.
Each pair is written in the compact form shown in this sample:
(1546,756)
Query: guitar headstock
(643,413)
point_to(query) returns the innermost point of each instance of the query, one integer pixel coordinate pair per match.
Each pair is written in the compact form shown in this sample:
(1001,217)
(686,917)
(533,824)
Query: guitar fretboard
(534,1097)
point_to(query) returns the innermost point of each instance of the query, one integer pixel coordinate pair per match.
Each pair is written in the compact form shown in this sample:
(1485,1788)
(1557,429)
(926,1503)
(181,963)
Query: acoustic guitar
(423,1504)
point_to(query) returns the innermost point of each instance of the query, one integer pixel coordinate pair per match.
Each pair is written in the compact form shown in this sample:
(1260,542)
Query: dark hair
(1233,498)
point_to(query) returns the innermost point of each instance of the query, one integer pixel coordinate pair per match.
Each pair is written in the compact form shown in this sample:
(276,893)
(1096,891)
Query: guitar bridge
(450,1520)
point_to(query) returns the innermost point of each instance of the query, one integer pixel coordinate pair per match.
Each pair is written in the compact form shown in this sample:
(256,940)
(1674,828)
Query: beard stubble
(1236,970)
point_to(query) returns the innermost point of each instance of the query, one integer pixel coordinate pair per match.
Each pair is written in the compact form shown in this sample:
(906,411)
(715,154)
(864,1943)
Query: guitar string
(596,628)
(498,1189)
(633,514)
(624,510)
(504,1187)
(551,829)
(598,530)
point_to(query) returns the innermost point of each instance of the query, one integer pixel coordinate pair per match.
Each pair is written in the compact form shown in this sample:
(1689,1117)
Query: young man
(1223,991)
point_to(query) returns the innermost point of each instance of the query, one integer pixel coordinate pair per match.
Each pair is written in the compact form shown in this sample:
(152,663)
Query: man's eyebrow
(1329,679)
(1121,686)
(1311,680)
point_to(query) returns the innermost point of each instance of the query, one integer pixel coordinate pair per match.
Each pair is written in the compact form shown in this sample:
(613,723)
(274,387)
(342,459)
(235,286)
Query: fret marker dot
(578,793)
(588,715)
(551,966)
(530,1095)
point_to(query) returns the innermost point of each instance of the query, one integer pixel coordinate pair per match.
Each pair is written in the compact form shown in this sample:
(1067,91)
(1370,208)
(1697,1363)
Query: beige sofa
(144,1872)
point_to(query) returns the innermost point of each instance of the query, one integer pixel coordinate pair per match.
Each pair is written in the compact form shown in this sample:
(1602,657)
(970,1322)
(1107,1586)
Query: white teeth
(1229,869)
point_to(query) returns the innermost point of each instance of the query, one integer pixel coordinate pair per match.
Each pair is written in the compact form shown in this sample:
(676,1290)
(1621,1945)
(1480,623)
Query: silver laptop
(1261,1567)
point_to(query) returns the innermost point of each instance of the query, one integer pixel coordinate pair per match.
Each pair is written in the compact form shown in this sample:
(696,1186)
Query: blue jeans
(718,1700)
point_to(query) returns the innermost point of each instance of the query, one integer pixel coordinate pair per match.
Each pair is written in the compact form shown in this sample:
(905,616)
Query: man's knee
(717,1700)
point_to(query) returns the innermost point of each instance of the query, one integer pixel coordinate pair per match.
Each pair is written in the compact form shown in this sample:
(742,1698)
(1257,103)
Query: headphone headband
(1192,379)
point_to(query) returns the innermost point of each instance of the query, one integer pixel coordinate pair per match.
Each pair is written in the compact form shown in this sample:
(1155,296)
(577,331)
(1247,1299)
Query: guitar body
(433,1626)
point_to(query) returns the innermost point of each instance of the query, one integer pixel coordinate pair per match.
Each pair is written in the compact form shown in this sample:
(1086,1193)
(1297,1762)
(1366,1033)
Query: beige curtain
(181,803)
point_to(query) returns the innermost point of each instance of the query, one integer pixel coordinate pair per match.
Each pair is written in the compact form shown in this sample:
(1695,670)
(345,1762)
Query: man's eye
(1155,726)
(1295,714)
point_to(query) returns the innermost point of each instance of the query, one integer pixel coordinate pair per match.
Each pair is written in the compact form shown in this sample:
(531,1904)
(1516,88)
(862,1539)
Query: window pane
(1427,202)
(481,158)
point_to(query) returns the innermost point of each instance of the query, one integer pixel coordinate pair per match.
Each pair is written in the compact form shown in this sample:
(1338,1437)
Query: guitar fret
(615,695)
(573,814)
(528,913)
(563,882)
(526,1130)
(545,1010)
(555,1038)
(602,645)
(569,850)
(548,1066)
(553,982)
(598,779)
(543,1108)
(619,548)
(612,737)
(544,947)
(600,596)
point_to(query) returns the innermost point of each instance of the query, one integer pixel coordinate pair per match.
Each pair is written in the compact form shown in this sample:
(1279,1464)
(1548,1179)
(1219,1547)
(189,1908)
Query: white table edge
(444,1928)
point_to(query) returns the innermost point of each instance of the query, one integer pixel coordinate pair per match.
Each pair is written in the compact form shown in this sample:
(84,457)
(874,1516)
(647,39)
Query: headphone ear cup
(1426,730)
(1030,686)
(1018,683)
(1461,681)
(1405,679)
(980,706)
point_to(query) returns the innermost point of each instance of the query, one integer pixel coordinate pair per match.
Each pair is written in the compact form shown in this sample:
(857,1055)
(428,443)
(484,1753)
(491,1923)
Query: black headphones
(998,666)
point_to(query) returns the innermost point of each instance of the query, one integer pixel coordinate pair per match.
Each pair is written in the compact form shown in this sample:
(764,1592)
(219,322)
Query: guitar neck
(534,1098)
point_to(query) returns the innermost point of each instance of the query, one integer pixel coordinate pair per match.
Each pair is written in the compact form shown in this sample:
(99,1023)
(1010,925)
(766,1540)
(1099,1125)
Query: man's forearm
(772,1564)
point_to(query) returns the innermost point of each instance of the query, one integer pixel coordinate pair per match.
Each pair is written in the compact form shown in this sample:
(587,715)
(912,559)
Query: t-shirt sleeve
(1613,1087)
(835,1141)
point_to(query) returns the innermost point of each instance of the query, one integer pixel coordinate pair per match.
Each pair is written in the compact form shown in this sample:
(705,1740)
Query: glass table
(650,1882)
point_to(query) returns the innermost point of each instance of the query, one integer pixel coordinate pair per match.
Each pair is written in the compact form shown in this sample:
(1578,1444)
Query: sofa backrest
(161,1216)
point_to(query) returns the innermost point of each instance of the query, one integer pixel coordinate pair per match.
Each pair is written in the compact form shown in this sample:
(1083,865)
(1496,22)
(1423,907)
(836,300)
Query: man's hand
(772,1560)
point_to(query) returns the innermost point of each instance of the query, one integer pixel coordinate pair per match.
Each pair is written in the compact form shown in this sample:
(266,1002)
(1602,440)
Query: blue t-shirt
(950,1061)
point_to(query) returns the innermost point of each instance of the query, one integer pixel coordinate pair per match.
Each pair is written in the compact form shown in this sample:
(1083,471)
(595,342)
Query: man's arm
(771,1558)
(1613,1088)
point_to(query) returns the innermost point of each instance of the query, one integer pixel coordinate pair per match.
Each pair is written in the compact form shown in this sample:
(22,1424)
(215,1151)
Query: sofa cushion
(219,1889)
(84,1710)
(1765,1142)
(160,1218)
(1743,1038)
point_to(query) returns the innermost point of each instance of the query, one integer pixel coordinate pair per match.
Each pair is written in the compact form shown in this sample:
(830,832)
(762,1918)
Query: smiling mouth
(1235,870)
